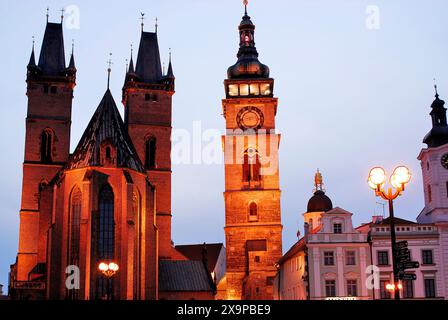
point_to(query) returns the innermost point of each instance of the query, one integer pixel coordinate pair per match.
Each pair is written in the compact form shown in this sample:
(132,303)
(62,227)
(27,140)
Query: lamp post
(377,179)
(108,270)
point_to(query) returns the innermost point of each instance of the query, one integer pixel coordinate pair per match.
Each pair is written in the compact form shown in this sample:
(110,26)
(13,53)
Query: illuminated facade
(252,194)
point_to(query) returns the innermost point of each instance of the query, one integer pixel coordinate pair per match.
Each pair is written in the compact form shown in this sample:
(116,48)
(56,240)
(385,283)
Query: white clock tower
(434,162)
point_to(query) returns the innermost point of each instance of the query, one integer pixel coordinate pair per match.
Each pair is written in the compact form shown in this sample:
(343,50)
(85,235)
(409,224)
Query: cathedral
(96,223)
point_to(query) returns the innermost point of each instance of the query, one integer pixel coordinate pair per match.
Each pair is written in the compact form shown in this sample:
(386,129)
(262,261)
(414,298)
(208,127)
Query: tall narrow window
(352,288)
(408,289)
(74,222)
(105,236)
(253,211)
(429,193)
(430,288)
(108,153)
(150,153)
(251,167)
(46,141)
(330,288)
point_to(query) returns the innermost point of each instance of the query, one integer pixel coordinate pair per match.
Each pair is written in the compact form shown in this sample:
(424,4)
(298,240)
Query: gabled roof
(196,252)
(184,275)
(52,56)
(338,210)
(106,125)
(148,67)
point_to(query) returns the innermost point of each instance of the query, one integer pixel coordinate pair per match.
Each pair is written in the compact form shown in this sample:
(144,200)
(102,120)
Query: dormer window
(337,228)
(108,154)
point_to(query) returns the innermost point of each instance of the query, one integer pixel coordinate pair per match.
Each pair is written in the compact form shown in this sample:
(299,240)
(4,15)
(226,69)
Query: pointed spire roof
(32,62)
(148,67)
(71,64)
(131,62)
(170,73)
(52,57)
(105,125)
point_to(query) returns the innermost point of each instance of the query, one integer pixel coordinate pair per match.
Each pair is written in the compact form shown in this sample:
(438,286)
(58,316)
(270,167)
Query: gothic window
(150,153)
(251,166)
(106,225)
(429,193)
(105,238)
(74,221)
(137,226)
(46,145)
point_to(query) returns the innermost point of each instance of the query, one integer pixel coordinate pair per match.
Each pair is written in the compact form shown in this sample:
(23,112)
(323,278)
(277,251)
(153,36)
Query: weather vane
(142,18)
(48,13)
(62,14)
(109,69)
(435,87)
(157,24)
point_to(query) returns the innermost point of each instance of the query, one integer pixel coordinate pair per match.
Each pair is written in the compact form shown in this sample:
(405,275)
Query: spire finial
(132,50)
(73,46)
(127,64)
(33,42)
(170,53)
(245,2)
(109,69)
(62,14)
(318,181)
(157,24)
(48,13)
(142,18)
(435,88)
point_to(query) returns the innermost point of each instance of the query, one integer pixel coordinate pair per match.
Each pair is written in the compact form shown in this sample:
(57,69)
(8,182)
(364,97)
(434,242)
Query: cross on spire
(33,42)
(109,69)
(48,13)
(157,24)
(142,18)
(62,14)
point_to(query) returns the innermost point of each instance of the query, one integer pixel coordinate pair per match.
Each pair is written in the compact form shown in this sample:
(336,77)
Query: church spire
(248,65)
(131,61)
(32,62)
(170,73)
(71,64)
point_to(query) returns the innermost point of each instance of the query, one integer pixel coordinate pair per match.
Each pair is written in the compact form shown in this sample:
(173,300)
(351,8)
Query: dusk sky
(353,93)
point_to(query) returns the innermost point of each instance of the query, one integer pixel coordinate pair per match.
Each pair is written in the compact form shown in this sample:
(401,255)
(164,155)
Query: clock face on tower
(444,161)
(250,118)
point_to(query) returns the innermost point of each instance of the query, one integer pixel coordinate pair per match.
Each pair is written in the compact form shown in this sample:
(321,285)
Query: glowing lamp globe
(103,266)
(400,177)
(113,266)
(377,177)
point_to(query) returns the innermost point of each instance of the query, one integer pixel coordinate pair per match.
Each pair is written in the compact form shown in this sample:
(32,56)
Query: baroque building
(109,200)
(330,261)
(253,226)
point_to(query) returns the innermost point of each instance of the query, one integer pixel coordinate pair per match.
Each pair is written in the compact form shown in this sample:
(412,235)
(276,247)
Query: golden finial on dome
(318,181)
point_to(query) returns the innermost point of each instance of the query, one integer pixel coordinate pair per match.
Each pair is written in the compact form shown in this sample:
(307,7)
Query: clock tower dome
(252,194)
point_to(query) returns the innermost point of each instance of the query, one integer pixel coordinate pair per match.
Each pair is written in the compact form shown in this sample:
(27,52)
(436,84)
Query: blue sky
(350,97)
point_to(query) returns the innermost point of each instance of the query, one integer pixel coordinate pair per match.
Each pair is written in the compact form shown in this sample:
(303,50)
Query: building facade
(330,261)
(434,164)
(252,194)
(424,246)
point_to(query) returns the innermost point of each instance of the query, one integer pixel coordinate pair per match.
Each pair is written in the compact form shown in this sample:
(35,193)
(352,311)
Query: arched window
(105,238)
(150,153)
(251,166)
(253,211)
(46,145)
(74,221)
(310,222)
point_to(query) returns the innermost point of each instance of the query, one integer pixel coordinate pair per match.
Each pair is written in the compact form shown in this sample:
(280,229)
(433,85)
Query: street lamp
(108,270)
(376,180)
